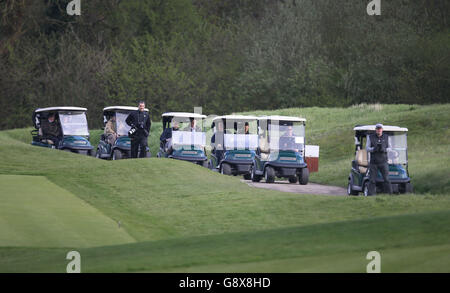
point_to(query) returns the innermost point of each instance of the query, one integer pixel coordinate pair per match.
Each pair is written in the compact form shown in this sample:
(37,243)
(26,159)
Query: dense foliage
(226,56)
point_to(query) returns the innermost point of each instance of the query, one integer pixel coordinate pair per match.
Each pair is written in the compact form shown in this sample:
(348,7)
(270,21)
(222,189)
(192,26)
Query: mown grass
(178,211)
(161,198)
(36,212)
(406,243)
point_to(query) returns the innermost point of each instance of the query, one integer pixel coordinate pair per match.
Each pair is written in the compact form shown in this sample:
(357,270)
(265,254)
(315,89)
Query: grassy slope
(406,243)
(428,140)
(177,201)
(36,212)
(332,129)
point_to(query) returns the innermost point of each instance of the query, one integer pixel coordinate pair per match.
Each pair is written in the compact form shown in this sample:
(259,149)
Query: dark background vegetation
(234,55)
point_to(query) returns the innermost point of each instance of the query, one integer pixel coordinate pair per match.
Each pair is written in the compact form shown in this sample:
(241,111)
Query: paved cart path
(310,188)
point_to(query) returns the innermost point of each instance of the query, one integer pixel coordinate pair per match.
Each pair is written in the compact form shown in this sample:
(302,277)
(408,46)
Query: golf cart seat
(361,159)
(264,148)
(265,155)
(166,144)
(42,138)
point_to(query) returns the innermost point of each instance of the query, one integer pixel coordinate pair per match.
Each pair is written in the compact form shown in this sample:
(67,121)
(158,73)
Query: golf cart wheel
(366,188)
(409,188)
(117,155)
(303,178)
(350,190)
(225,169)
(269,175)
(293,179)
(253,176)
(247,176)
(92,153)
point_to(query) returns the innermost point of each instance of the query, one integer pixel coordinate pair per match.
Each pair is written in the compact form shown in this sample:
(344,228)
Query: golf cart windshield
(187,124)
(240,135)
(397,152)
(286,136)
(121,126)
(74,123)
(241,141)
(188,138)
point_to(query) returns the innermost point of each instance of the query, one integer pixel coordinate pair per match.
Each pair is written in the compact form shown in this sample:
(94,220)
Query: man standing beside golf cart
(377,146)
(140,129)
(217,141)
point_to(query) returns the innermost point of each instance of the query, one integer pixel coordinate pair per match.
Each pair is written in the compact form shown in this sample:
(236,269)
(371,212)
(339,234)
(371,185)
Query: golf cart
(71,125)
(234,142)
(114,142)
(358,180)
(183,137)
(281,150)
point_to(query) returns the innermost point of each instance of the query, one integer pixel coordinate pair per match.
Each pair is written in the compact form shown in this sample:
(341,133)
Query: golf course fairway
(36,212)
(179,217)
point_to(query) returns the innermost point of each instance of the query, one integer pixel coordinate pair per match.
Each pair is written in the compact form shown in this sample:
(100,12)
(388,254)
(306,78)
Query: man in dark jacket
(287,140)
(139,120)
(377,145)
(51,130)
(217,142)
(167,133)
(166,136)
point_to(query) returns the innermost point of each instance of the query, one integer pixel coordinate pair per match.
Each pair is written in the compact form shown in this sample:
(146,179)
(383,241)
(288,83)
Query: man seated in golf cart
(217,141)
(184,140)
(166,137)
(192,127)
(51,130)
(287,140)
(263,144)
(242,128)
(281,151)
(111,130)
(63,128)
(234,143)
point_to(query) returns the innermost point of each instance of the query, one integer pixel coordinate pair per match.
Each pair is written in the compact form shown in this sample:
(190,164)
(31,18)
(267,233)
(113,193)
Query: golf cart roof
(50,109)
(121,108)
(385,128)
(235,117)
(183,115)
(282,118)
